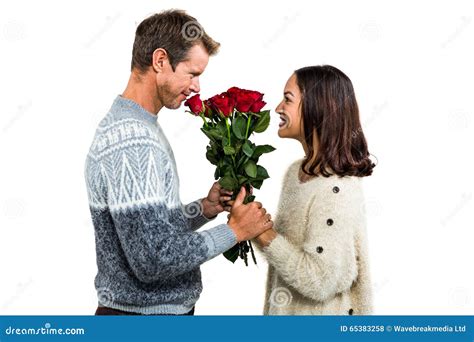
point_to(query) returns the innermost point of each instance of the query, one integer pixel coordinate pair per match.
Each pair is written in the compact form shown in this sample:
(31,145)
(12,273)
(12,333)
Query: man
(148,250)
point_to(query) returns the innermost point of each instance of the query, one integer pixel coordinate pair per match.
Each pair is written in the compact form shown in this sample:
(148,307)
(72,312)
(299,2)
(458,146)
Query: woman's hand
(266,237)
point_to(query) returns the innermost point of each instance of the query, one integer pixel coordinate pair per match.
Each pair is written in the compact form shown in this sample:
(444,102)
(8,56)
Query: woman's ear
(160,58)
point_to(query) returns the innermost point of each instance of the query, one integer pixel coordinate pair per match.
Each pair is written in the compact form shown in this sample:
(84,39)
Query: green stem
(205,122)
(248,126)
(228,130)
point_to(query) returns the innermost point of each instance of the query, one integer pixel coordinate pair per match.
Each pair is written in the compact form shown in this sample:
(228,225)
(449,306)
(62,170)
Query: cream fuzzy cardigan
(318,263)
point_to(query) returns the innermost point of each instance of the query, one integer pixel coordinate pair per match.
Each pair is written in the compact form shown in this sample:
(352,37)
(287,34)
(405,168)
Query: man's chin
(174,105)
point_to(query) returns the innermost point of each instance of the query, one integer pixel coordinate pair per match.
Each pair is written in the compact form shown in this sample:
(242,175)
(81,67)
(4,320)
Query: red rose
(195,104)
(257,106)
(223,103)
(234,91)
(207,108)
(245,99)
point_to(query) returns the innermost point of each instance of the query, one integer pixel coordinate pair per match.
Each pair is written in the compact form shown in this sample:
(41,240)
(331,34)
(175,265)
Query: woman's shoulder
(336,189)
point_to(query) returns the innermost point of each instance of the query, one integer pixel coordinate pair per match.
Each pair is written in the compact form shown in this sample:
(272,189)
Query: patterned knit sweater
(148,250)
(318,263)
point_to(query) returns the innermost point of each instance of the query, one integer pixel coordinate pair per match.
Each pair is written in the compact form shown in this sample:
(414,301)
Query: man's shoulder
(116,134)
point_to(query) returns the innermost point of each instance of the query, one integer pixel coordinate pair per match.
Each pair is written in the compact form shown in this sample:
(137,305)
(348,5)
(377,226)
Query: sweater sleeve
(194,213)
(149,221)
(325,264)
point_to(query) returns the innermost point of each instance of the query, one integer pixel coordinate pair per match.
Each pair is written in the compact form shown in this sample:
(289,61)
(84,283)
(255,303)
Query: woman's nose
(278,108)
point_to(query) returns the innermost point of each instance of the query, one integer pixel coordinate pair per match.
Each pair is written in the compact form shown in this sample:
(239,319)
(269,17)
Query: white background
(63,63)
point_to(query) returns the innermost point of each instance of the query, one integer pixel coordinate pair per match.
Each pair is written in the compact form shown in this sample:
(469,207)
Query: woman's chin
(282,132)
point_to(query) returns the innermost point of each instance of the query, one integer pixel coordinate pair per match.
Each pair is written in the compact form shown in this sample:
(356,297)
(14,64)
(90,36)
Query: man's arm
(206,209)
(153,234)
(194,212)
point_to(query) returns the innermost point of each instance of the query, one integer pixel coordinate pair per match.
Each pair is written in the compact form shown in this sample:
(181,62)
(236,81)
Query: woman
(317,251)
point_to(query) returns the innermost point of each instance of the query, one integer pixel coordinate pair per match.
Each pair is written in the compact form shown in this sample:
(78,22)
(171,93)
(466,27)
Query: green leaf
(263,122)
(232,254)
(239,126)
(225,142)
(251,168)
(262,173)
(210,155)
(259,150)
(249,199)
(248,149)
(228,183)
(225,170)
(222,128)
(229,150)
(242,180)
(208,134)
(243,159)
(257,184)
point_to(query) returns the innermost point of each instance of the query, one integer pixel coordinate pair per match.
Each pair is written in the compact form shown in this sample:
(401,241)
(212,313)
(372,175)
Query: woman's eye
(287,99)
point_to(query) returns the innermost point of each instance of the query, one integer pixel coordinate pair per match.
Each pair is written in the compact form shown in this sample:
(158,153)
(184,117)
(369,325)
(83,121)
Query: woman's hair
(330,114)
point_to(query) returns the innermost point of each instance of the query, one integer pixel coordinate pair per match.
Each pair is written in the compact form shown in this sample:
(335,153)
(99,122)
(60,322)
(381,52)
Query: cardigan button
(335,189)
(351,312)
(319,249)
(330,222)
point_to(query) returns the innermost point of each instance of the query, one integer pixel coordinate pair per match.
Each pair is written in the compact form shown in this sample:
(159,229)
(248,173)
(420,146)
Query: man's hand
(226,196)
(248,220)
(213,204)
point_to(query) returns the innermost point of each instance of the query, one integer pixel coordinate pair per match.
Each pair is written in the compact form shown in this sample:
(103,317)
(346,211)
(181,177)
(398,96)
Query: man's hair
(172,30)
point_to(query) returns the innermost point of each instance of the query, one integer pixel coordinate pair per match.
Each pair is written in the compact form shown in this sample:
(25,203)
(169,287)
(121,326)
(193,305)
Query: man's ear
(160,59)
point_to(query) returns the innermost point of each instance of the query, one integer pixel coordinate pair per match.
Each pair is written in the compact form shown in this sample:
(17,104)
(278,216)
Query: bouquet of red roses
(229,120)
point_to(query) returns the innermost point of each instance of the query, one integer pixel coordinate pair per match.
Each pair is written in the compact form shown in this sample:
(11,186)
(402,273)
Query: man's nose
(195,87)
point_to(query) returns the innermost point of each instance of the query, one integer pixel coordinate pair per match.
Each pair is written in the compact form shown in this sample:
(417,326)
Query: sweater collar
(138,111)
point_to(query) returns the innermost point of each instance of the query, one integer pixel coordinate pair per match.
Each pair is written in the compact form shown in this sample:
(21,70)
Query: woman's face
(290,111)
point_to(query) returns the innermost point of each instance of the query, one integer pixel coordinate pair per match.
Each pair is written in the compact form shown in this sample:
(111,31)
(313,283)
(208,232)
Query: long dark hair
(330,114)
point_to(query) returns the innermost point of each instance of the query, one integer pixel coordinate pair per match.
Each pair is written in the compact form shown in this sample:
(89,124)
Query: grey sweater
(148,252)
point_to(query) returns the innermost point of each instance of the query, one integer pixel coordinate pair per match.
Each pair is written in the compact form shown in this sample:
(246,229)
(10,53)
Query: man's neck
(143,91)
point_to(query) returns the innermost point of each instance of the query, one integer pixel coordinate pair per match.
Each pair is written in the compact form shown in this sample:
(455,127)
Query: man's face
(174,87)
